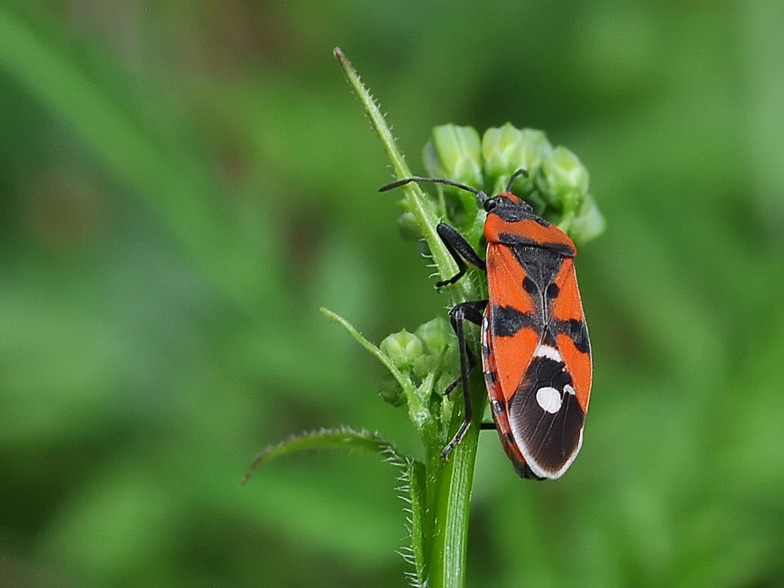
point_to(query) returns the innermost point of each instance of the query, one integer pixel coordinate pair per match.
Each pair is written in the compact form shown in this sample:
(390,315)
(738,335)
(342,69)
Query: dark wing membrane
(545,415)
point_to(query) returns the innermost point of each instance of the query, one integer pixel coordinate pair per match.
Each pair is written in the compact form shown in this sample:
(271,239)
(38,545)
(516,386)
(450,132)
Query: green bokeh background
(183,184)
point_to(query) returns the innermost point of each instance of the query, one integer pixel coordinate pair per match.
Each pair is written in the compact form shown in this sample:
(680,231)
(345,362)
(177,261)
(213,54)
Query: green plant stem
(450,541)
(448,484)
(424,213)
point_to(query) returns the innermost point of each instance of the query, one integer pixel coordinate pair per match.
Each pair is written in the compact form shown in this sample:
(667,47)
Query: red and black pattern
(536,354)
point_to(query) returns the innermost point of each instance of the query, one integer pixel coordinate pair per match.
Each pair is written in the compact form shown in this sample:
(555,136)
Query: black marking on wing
(540,265)
(560,250)
(576,330)
(507,320)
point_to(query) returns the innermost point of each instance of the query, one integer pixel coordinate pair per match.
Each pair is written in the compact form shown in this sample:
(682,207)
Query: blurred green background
(183,184)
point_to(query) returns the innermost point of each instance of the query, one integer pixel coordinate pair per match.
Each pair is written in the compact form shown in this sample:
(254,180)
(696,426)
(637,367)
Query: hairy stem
(448,484)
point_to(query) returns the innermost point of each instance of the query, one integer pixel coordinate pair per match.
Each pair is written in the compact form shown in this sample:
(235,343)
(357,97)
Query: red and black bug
(536,354)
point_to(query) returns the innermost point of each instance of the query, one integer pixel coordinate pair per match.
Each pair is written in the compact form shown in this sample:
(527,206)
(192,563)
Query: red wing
(513,352)
(572,341)
(498,404)
(537,368)
(529,229)
(507,297)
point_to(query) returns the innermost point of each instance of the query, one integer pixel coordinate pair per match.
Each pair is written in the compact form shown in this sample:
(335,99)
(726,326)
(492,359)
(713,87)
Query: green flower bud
(455,153)
(403,349)
(565,179)
(501,149)
(507,149)
(392,392)
(436,335)
(409,227)
(421,367)
(588,223)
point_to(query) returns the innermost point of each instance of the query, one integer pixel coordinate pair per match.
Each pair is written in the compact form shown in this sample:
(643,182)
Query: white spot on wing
(549,399)
(569,390)
(548,352)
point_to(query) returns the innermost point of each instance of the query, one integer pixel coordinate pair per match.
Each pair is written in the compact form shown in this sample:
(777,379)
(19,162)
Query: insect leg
(461,252)
(471,311)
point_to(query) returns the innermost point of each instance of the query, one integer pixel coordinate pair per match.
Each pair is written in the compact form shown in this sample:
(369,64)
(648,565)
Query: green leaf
(401,378)
(341,438)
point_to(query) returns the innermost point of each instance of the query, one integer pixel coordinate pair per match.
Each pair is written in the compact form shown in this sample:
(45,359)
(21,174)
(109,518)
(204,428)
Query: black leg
(471,311)
(461,252)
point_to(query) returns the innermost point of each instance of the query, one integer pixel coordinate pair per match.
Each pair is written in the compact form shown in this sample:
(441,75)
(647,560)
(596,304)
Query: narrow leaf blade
(340,438)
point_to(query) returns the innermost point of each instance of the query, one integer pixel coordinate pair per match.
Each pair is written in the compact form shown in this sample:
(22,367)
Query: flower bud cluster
(556,184)
(422,358)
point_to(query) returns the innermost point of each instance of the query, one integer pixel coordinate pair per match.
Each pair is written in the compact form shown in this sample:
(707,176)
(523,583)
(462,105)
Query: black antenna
(520,172)
(479,193)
